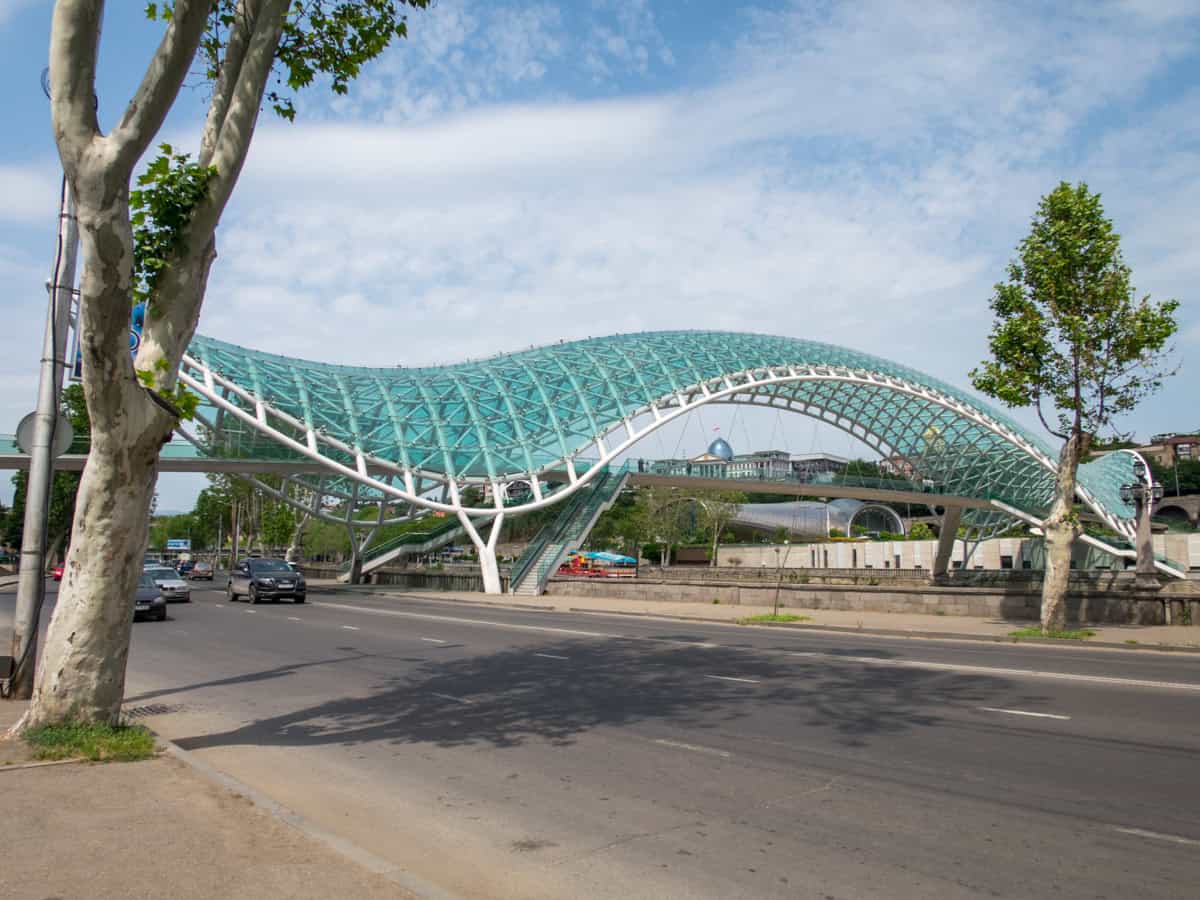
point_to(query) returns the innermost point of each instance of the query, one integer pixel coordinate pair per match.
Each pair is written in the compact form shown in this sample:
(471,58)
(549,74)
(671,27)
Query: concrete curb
(339,845)
(900,633)
(836,629)
(41,764)
(475,603)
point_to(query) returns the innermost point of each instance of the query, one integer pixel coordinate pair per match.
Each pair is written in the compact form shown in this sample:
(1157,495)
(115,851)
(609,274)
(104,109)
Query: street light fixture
(1142,494)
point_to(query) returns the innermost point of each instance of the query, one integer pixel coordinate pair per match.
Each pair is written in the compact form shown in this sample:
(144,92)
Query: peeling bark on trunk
(1061,530)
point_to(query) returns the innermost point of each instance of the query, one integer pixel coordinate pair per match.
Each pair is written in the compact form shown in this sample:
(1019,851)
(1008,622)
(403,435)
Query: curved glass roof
(512,415)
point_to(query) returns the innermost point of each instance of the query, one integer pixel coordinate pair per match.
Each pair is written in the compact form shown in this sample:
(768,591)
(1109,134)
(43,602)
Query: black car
(148,600)
(265,579)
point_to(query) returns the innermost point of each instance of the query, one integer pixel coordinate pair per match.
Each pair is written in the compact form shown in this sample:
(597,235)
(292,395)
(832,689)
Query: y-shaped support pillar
(950,521)
(488,566)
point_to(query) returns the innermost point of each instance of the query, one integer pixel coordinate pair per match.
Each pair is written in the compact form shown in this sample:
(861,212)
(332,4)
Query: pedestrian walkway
(909,624)
(155,829)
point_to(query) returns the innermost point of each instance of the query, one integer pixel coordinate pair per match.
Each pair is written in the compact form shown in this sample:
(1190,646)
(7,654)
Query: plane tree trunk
(1061,529)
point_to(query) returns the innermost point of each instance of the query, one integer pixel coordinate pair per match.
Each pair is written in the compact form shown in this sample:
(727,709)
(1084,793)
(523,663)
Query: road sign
(63,434)
(179,543)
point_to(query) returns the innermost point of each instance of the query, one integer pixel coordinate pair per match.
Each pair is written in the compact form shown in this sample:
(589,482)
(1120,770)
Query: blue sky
(517,173)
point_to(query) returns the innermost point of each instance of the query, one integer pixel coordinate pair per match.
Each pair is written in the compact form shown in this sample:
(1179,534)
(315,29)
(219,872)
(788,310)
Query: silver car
(173,587)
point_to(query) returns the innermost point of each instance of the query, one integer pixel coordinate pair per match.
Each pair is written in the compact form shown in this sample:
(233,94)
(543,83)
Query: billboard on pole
(179,543)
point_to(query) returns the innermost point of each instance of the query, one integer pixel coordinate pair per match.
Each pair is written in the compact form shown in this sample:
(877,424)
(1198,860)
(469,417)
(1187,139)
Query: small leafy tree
(159,243)
(718,509)
(1072,340)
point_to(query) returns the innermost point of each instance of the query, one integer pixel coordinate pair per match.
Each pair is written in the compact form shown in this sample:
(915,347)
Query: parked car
(148,600)
(265,579)
(169,583)
(57,572)
(184,566)
(201,571)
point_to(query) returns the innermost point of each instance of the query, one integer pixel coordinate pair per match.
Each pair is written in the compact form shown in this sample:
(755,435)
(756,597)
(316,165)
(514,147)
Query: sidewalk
(904,624)
(155,829)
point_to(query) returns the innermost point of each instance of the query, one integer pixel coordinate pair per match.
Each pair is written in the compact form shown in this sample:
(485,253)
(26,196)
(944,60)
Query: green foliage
(99,743)
(328,39)
(160,210)
(921,532)
(1077,634)
(1185,475)
(767,618)
(1069,331)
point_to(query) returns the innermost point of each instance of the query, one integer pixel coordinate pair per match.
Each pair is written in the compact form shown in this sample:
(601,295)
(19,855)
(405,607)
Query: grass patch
(99,743)
(768,617)
(1076,634)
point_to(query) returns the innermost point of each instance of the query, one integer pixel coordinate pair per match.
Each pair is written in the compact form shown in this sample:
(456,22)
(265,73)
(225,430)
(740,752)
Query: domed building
(720,449)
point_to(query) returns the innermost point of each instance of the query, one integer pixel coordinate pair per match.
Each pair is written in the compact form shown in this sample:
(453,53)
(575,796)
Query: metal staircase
(550,546)
(440,533)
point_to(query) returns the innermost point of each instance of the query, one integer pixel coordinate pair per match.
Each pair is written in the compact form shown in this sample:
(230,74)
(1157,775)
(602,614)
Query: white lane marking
(832,657)
(731,678)
(293,618)
(695,748)
(1157,836)
(251,611)
(434,640)
(462,700)
(1014,673)
(544,629)
(1023,712)
(350,627)
(550,656)
(220,605)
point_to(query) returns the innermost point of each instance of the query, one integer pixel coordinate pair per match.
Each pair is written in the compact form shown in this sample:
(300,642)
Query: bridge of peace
(486,440)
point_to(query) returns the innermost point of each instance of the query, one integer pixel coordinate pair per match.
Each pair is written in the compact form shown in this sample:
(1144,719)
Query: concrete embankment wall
(1117,606)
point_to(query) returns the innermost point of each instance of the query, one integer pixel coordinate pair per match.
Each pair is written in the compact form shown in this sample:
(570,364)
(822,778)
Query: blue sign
(179,543)
(137,319)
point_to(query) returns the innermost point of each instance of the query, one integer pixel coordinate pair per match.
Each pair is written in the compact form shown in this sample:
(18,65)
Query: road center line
(350,627)
(1157,836)
(293,618)
(550,656)
(731,678)
(462,700)
(694,748)
(433,640)
(1023,712)
(252,612)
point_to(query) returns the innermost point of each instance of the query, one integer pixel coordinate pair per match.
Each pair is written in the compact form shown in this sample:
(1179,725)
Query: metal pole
(41,458)
(1146,576)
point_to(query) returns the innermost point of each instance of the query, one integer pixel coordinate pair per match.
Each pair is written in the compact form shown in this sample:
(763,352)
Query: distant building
(719,461)
(899,466)
(1168,449)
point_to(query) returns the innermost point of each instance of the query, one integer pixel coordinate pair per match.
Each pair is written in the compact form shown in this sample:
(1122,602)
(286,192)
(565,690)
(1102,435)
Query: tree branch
(228,74)
(164,75)
(237,127)
(1046,424)
(74,41)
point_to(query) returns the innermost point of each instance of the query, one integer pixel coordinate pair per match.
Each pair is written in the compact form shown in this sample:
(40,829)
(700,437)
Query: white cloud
(859,174)
(29,194)
(10,8)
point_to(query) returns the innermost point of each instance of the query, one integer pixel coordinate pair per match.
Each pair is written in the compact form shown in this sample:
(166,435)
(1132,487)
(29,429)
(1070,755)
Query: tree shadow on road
(508,698)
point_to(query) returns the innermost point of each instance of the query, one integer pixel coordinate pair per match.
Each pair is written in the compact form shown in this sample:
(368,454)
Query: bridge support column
(950,519)
(488,567)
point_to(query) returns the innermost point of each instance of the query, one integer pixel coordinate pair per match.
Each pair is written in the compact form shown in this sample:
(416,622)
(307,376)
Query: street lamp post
(1142,493)
(779,575)
(32,575)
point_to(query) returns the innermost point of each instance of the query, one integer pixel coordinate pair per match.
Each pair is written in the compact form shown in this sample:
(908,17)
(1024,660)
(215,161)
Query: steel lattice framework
(425,435)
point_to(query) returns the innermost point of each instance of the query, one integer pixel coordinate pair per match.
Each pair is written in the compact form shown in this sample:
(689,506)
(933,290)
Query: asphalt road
(506,753)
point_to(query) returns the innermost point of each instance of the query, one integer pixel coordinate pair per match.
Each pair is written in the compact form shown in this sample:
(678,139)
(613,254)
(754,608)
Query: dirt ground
(155,829)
